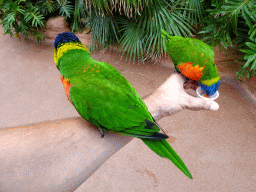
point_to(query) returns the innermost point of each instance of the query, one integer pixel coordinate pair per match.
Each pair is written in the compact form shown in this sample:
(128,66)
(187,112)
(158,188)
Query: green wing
(183,50)
(111,103)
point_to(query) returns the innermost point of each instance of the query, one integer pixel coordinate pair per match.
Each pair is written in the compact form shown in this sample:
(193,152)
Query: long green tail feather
(163,149)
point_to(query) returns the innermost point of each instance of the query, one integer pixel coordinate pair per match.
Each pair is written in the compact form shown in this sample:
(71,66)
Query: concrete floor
(218,147)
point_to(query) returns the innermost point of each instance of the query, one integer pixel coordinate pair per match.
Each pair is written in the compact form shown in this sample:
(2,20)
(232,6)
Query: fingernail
(214,106)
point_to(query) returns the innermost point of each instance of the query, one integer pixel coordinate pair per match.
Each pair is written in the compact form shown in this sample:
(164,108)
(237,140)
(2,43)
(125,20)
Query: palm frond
(132,42)
(193,10)
(79,13)
(65,8)
(104,31)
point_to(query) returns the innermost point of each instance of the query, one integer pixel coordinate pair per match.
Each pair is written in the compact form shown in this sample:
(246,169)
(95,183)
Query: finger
(191,84)
(194,103)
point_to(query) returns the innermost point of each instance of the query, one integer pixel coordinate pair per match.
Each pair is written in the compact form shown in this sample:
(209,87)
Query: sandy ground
(218,147)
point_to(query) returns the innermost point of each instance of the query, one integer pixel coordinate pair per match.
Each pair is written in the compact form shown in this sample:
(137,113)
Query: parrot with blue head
(195,60)
(102,96)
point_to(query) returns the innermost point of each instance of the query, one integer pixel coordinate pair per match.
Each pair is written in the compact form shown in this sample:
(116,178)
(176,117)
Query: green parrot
(195,60)
(102,96)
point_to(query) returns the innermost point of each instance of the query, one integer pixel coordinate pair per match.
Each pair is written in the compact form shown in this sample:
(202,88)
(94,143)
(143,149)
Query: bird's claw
(101,132)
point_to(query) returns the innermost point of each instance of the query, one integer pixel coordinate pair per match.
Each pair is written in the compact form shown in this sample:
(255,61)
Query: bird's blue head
(210,90)
(65,37)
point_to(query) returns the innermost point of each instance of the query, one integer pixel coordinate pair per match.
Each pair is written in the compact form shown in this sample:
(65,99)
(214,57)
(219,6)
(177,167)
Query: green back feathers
(101,94)
(183,50)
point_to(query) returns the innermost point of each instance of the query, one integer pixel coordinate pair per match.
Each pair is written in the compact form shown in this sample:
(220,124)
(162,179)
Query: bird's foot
(101,132)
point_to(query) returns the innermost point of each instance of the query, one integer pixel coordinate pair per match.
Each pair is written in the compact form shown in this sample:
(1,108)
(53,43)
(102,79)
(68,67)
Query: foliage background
(134,26)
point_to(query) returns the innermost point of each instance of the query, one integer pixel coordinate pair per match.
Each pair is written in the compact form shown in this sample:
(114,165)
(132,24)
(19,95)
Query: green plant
(233,21)
(194,10)
(133,26)
(29,16)
(249,68)
(104,30)
(21,16)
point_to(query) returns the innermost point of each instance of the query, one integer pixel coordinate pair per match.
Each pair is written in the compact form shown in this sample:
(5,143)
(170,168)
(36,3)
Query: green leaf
(35,17)
(253,65)
(65,9)
(9,19)
(249,60)
(251,45)
(248,74)
(47,6)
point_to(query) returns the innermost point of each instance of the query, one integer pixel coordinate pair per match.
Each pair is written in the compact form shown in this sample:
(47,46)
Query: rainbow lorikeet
(195,60)
(102,96)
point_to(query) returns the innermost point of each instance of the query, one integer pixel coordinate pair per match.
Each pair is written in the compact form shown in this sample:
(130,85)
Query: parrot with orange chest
(195,60)
(102,96)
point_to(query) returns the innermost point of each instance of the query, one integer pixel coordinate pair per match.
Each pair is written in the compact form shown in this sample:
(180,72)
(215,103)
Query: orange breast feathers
(190,71)
(66,85)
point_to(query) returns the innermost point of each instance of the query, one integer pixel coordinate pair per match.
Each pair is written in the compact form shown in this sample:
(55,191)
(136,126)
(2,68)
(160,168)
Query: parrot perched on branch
(195,60)
(102,96)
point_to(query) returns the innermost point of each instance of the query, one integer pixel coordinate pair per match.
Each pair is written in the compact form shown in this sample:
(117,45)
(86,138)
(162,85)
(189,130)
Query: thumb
(200,103)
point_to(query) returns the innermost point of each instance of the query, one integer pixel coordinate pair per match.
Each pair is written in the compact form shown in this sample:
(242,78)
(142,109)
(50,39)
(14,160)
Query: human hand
(171,97)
